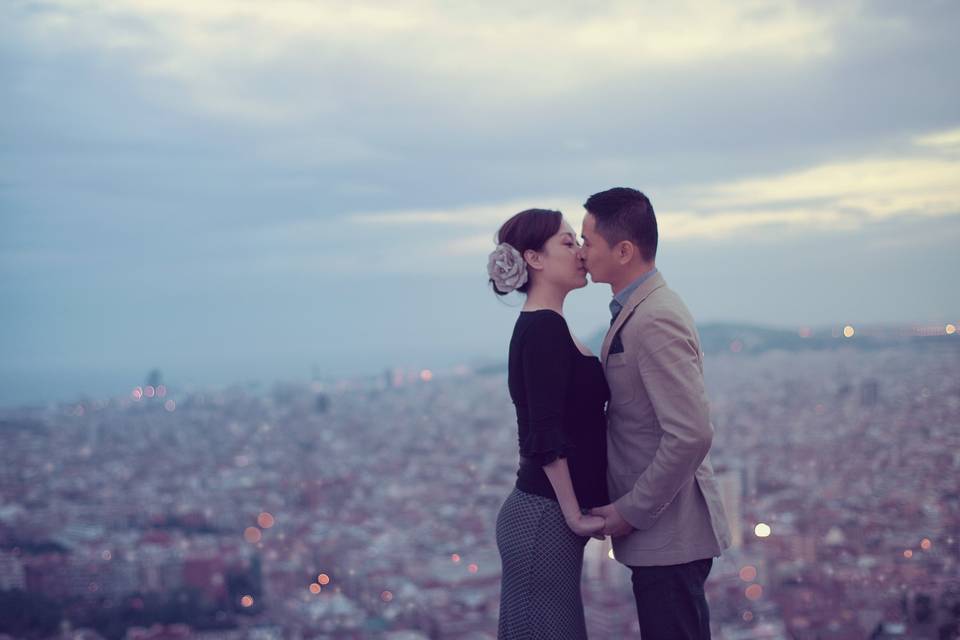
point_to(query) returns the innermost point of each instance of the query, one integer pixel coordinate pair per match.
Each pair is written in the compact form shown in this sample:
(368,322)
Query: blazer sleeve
(670,370)
(547,374)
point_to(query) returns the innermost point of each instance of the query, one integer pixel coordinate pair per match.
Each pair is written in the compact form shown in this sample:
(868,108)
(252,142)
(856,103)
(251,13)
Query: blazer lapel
(649,286)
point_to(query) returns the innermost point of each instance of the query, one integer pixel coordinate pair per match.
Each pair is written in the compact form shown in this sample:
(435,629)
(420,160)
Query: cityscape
(365,508)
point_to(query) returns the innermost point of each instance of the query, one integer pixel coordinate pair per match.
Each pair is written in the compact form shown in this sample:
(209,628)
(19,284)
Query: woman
(559,392)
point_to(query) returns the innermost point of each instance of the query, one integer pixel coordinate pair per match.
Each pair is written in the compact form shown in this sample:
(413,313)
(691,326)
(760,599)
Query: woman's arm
(558,473)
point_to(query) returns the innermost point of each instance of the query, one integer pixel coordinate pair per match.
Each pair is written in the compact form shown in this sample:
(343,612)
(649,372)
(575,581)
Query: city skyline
(369,511)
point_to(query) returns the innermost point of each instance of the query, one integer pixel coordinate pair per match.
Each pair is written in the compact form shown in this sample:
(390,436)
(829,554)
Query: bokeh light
(323,579)
(265,520)
(908,554)
(925,544)
(762,530)
(754,592)
(455,558)
(246,601)
(748,573)
(386,596)
(848,331)
(314,587)
(951,329)
(473,568)
(426,375)
(252,535)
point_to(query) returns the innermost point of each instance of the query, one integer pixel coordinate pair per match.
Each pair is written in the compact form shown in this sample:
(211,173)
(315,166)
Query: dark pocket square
(616,346)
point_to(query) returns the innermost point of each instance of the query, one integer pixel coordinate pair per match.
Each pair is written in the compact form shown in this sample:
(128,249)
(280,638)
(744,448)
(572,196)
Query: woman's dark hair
(625,214)
(528,229)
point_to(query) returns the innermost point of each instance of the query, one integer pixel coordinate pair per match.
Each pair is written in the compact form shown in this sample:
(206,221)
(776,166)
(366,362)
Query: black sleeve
(547,374)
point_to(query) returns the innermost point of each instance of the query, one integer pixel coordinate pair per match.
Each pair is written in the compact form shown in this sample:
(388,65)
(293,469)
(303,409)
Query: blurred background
(252,378)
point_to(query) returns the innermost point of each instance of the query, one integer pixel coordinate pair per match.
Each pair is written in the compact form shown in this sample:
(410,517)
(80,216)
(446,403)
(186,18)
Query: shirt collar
(620,300)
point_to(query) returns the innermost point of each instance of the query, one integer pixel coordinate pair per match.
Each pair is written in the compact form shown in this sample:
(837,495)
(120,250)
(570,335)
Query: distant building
(12,574)
(154,378)
(869,392)
(730,483)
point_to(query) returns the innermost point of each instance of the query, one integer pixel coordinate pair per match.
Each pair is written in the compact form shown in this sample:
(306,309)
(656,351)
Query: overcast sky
(243,190)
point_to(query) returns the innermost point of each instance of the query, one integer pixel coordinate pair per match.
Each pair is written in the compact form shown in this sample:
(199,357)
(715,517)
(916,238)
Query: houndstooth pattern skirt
(542,560)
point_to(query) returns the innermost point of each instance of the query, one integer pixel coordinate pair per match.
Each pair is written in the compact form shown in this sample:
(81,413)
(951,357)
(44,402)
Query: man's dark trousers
(671,604)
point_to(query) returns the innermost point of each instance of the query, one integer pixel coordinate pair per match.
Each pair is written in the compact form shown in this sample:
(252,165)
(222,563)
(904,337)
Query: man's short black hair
(622,214)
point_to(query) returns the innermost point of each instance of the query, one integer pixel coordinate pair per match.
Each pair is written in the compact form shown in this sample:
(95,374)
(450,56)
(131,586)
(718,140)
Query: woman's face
(560,260)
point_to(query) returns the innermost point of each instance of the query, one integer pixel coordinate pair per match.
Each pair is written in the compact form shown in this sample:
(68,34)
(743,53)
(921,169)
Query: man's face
(597,253)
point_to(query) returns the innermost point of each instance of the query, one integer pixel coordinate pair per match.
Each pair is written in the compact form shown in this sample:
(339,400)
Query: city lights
(328,498)
(265,520)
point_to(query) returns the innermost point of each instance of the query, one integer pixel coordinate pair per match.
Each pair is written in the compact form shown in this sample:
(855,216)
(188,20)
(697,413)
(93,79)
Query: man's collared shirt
(620,300)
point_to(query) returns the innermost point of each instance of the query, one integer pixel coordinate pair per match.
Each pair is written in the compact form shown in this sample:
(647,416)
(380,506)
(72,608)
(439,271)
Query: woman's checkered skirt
(541,559)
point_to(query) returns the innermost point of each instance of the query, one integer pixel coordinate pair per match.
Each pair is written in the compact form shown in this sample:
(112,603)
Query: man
(666,518)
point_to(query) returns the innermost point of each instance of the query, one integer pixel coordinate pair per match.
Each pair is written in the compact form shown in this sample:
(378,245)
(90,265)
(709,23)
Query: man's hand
(615,525)
(585,525)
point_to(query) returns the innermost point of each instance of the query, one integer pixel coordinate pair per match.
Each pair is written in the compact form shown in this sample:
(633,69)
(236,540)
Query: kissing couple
(611,446)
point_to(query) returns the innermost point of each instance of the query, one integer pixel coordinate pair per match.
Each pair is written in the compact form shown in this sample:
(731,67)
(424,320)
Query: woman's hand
(584,525)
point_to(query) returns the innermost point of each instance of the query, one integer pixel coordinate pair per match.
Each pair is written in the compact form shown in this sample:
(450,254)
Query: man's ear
(625,251)
(533,259)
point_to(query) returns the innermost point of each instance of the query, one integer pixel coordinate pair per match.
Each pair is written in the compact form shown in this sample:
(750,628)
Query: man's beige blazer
(659,434)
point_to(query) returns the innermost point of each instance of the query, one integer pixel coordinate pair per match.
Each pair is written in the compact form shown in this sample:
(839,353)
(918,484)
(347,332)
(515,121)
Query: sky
(238,191)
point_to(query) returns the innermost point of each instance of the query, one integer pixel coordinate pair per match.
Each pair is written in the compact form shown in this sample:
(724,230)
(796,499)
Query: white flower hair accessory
(507,268)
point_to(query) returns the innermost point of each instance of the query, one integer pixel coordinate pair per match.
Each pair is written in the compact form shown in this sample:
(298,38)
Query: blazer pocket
(621,379)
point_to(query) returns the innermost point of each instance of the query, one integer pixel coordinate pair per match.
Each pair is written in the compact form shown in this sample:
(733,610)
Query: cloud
(290,59)
(876,188)
(942,140)
(479,215)
(837,196)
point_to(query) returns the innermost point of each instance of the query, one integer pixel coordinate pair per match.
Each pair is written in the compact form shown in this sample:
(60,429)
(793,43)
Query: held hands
(614,524)
(586,525)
